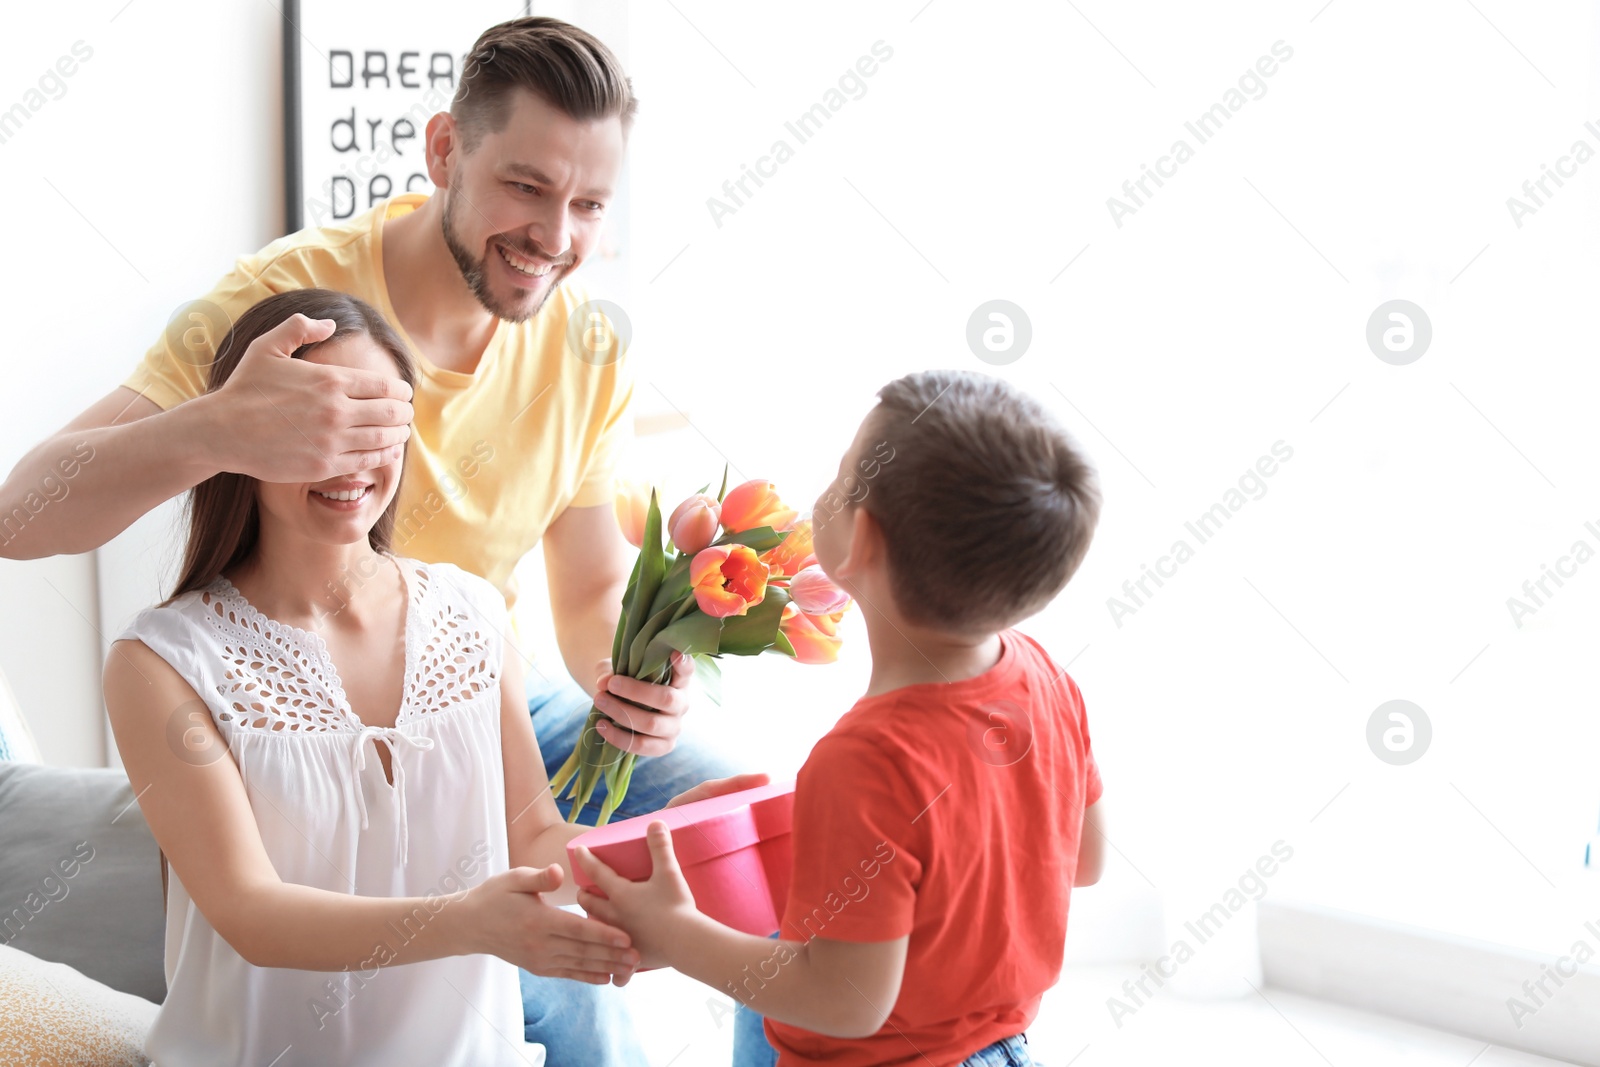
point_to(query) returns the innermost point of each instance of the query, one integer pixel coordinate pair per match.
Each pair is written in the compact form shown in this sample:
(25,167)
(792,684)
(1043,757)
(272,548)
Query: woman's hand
(506,916)
(658,913)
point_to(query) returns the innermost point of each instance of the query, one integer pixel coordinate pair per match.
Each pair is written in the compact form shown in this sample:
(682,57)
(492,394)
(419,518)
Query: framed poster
(361,79)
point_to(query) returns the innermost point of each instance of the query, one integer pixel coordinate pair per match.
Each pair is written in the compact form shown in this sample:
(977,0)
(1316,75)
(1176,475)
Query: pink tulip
(814,593)
(815,638)
(694,523)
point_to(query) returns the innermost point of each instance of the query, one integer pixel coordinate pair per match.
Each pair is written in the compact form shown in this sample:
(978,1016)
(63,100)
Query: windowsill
(1437,979)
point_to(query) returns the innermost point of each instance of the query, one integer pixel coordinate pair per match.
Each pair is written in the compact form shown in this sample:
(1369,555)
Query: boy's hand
(715,787)
(656,912)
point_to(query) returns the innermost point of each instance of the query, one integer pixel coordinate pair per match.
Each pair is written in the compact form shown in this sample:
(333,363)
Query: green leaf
(652,565)
(674,586)
(709,671)
(695,634)
(724,490)
(757,629)
(782,645)
(622,616)
(646,634)
(761,538)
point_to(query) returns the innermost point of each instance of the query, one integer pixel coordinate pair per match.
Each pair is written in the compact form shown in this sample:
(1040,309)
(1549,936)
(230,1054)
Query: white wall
(1223,316)
(132,192)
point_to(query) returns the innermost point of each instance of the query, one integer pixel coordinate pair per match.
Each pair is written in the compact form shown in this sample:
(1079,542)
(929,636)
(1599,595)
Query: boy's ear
(866,544)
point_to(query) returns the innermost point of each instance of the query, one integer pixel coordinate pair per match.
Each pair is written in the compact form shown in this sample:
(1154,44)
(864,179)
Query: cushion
(80,883)
(52,1015)
(16,740)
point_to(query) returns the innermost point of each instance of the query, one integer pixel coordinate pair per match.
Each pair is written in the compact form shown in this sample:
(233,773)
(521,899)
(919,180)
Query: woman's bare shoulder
(135,676)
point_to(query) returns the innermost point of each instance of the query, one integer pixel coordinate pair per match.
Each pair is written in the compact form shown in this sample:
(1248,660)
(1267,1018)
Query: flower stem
(564,775)
(616,787)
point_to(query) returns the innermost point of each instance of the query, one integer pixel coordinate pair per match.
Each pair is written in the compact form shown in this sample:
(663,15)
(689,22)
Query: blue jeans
(1009,1052)
(750,1045)
(582,1024)
(751,1048)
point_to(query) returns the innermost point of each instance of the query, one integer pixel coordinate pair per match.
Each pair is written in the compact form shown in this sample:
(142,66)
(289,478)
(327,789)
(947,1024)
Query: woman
(300,646)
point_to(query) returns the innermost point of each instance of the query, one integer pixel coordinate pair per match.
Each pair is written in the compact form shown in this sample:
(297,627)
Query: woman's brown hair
(224,518)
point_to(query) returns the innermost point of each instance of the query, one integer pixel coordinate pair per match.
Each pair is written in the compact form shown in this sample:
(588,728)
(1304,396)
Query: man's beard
(475,272)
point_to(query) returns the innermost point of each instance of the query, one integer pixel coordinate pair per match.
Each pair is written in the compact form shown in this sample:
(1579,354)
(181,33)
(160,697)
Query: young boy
(940,826)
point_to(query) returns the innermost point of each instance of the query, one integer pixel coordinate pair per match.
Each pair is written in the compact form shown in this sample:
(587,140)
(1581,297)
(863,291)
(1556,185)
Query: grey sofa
(80,875)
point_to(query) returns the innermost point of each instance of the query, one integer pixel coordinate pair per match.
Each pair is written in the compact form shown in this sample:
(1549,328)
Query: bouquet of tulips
(737,578)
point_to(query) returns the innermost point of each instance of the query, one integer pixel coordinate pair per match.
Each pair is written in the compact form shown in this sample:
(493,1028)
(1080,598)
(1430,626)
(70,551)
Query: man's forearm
(80,488)
(586,639)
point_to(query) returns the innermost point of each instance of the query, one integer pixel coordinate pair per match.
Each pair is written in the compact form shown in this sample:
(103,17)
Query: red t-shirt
(949,812)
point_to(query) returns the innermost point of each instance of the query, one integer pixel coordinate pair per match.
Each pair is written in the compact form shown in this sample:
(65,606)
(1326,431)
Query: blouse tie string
(389,734)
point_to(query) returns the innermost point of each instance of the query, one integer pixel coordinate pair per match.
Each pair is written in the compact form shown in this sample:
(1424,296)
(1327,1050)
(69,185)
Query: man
(513,431)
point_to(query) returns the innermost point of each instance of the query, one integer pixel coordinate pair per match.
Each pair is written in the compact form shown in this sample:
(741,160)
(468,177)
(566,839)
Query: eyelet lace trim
(454,664)
(278,677)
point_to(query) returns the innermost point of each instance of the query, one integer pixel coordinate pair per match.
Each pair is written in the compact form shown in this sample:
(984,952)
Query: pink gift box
(734,850)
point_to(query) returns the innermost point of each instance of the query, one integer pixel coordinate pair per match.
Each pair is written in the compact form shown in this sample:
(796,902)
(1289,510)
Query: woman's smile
(349,498)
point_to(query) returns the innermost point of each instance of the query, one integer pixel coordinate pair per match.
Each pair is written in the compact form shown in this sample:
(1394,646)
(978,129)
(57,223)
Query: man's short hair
(568,67)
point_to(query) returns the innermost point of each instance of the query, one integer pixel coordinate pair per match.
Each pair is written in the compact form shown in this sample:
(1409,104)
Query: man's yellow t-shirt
(494,456)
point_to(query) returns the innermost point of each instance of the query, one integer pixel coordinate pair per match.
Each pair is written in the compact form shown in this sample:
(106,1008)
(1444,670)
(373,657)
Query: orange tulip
(815,637)
(794,555)
(755,504)
(693,525)
(633,508)
(727,580)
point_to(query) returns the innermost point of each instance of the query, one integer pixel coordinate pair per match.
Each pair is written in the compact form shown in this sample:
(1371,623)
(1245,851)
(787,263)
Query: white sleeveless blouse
(330,819)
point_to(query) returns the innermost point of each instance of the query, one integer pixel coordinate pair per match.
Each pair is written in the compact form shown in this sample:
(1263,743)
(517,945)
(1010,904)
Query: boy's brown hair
(568,67)
(987,507)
